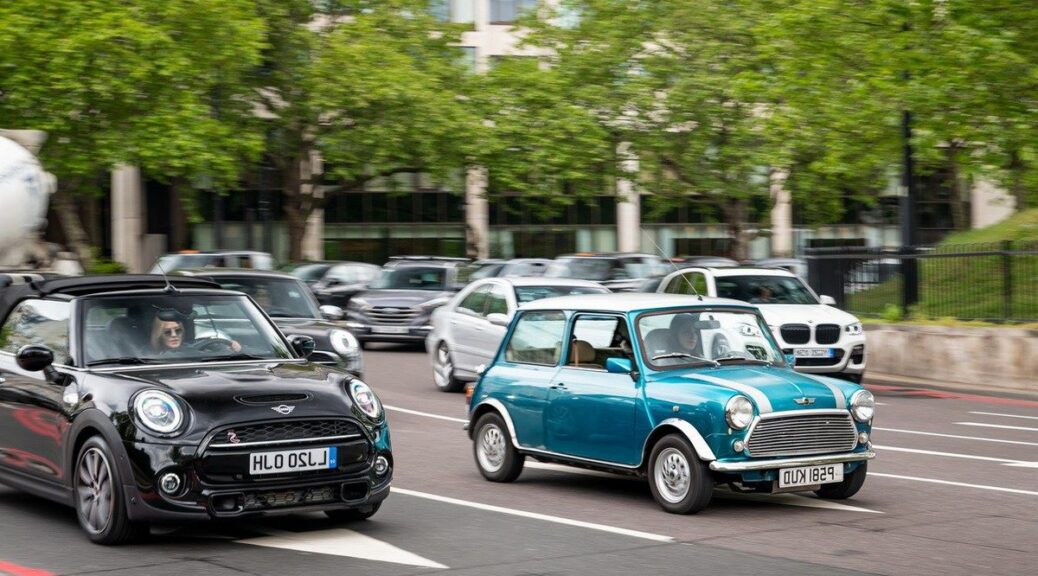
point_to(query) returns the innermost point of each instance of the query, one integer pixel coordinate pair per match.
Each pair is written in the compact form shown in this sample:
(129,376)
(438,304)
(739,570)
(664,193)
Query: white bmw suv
(822,338)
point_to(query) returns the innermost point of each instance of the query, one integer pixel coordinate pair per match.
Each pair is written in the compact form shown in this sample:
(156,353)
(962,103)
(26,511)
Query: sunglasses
(173,332)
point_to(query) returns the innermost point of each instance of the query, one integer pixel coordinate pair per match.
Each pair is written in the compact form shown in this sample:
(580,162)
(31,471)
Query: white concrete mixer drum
(24,190)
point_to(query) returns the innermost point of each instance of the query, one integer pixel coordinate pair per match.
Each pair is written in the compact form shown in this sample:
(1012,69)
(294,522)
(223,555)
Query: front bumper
(847,356)
(740,466)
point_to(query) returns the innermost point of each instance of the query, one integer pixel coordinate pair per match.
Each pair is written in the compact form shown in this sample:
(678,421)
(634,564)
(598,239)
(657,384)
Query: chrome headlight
(158,411)
(739,412)
(863,406)
(854,329)
(364,398)
(344,343)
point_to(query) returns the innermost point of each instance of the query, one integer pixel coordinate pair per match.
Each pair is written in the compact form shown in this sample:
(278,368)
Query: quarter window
(497,301)
(475,303)
(39,322)
(537,339)
(689,283)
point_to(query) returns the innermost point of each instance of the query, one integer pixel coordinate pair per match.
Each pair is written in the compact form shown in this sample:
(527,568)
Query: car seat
(582,355)
(658,342)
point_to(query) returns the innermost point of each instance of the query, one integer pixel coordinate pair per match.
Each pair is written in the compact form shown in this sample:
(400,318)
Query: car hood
(779,314)
(337,288)
(307,326)
(771,389)
(401,298)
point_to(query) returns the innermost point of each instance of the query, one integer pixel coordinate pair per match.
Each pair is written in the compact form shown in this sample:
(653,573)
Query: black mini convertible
(138,400)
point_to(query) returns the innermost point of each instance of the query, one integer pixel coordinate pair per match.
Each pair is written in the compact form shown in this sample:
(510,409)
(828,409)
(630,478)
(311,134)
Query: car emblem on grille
(804,401)
(232,437)
(283,409)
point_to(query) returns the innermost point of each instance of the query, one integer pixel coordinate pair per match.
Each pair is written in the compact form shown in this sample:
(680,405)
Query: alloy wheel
(672,475)
(94,488)
(491,448)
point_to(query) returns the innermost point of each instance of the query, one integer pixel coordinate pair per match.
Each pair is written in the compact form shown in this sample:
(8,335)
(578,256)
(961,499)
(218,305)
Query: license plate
(389,329)
(293,460)
(810,475)
(813,353)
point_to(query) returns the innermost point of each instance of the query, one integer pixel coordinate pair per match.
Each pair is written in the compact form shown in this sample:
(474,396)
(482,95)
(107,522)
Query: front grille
(270,499)
(802,434)
(837,357)
(795,333)
(272,398)
(827,333)
(392,316)
(286,431)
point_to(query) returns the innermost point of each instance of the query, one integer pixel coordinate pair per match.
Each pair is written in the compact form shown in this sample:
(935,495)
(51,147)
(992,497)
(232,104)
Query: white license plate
(810,475)
(813,352)
(293,460)
(390,329)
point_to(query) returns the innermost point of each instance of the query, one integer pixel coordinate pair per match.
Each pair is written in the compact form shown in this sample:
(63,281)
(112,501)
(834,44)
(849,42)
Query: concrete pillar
(313,235)
(128,218)
(628,204)
(781,216)
(477,214)
(990,204)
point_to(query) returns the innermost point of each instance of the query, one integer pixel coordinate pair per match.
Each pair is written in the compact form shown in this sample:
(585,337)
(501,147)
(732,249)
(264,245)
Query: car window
(411,278)
(475,303)
(537,338)
(497,300)
(39,322)
(688,283)
(279,297)
(699,336)
(525,294)
(765,289)
(591,342)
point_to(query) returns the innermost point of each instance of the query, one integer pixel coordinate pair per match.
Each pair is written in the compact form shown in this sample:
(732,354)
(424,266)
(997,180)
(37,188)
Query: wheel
(496,458)
(680,482)
(443,371)
(99,502)
(353,514)
(849,487)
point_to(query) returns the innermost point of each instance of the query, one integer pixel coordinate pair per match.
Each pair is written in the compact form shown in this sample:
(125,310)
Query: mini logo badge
(805,401)
(283,409)
(232,437)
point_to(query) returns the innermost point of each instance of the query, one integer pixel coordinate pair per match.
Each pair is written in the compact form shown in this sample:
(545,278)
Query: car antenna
(170,288)
(673,265)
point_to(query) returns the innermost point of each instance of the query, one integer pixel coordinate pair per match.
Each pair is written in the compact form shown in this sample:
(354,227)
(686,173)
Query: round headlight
(344,343)
(365,399)
(158,411)
(863,406)
(739,412)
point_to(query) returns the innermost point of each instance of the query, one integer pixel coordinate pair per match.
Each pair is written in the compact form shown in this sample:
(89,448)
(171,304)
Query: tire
(496,458)
(353,514)
(849,487)
(678,479)
(443,371)
(98,497)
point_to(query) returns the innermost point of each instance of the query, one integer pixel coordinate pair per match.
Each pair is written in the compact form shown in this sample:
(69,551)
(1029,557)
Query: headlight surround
(357,302)
(159,412)
(739,412)
(863,406)
(854,329)
(436,302)
(364,399)
(344,342)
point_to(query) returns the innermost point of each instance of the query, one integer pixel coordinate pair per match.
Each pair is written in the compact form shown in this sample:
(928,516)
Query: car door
(468,329)
(33,414)
(591,412)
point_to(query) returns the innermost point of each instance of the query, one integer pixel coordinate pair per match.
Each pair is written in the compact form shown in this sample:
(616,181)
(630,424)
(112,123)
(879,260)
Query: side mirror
(33,358)
(331,282)
(827,300)
(618,366)
(303,345)
(330,312)
(498,319)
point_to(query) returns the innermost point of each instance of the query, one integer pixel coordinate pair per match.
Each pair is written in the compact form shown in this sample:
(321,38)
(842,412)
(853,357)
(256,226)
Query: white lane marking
(881,403)
(999,426)
(341,542)
(978,439)
(536,516)
(962,484)
(1005,415)
(794,500)
(1023,464)
(1006,461)
(426,414)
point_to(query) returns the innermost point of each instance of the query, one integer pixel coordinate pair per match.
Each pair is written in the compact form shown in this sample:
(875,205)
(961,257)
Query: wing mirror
(618,366)
(303,345)
(34,358)
(827,300)
(329,312)
(498,319)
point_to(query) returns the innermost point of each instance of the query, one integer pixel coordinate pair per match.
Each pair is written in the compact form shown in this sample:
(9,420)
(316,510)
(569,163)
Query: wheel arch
(94,423)
(492,405)
(683,428)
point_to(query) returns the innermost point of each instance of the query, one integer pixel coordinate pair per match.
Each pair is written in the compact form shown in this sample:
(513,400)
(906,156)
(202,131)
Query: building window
(456,11)
(507,11)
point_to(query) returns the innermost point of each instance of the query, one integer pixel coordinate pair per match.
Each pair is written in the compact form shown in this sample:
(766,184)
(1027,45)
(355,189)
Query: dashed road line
(955,436)
(1004,415)
(999,426)
(950,483)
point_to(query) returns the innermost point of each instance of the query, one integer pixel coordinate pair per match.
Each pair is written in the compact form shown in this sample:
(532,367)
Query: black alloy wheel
(97,491)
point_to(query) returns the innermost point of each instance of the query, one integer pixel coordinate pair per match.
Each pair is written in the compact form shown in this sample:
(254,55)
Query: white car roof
(627,302)
(539,281)
(737,271)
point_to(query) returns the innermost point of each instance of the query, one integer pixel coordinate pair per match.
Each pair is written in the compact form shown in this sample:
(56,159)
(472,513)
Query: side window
(592,338)
(688,283)
(41,322)
(497,301)
(475,302)
(537,339)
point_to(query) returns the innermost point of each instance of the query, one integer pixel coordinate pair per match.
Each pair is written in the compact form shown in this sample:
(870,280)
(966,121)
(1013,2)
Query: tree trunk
(71,225)
(298,207)
(958,211)
(735,217)
(178,216)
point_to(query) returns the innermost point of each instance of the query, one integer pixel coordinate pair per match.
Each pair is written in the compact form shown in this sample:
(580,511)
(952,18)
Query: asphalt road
(954,490)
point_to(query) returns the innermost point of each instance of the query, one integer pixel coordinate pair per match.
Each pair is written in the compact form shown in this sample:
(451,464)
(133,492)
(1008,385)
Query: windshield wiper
(239,356)
(700,359)
(741,360)
(126,360)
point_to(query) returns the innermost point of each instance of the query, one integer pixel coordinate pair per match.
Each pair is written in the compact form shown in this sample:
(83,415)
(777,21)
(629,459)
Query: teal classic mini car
(687,392)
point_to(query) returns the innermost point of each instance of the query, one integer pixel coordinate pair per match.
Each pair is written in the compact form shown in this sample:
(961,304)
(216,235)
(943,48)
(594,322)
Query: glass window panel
(537,339)
(38,322)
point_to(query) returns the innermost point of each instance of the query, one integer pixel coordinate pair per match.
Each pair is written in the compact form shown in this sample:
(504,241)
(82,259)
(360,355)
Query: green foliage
(1022,226)
(106,266)
(891,313)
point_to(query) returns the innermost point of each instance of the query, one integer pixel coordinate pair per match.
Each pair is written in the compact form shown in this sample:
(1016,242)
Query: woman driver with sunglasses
(168,335)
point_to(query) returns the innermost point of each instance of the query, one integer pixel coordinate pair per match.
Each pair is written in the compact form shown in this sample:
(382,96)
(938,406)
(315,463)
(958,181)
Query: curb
(908,382)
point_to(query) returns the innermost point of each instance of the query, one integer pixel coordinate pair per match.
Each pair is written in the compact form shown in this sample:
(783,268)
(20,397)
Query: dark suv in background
(398,304)
(618,271)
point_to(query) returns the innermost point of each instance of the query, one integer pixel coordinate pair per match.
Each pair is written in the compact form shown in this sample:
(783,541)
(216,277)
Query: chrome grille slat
(800,434)
(392,315)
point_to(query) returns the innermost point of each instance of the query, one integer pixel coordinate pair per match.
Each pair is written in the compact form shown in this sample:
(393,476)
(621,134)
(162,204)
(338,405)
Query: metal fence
(994,282)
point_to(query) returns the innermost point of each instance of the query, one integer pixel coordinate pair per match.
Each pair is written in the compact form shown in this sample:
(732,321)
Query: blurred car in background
(711,261)
(187,259)
(292,307)
(309,272)
(797,266)
(620,272)
(467,330)
(398,304)
(343,281)
(494,268)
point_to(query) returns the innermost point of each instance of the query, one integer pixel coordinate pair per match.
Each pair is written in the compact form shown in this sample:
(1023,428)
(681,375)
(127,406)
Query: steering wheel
(212,344)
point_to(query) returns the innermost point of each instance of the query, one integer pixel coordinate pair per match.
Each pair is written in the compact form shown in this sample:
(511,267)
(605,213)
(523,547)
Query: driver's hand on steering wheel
(235,346)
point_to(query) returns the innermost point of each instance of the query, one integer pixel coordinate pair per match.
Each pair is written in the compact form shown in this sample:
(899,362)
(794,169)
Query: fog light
(738,445)
(170,483)
(381,465)
(863,438)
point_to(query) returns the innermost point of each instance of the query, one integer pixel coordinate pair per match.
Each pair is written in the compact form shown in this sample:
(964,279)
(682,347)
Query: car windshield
(525,294)
(411,278)
(762,289)
(582,268)
(310,272)
(701,336)
(176,328)
(279,297)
